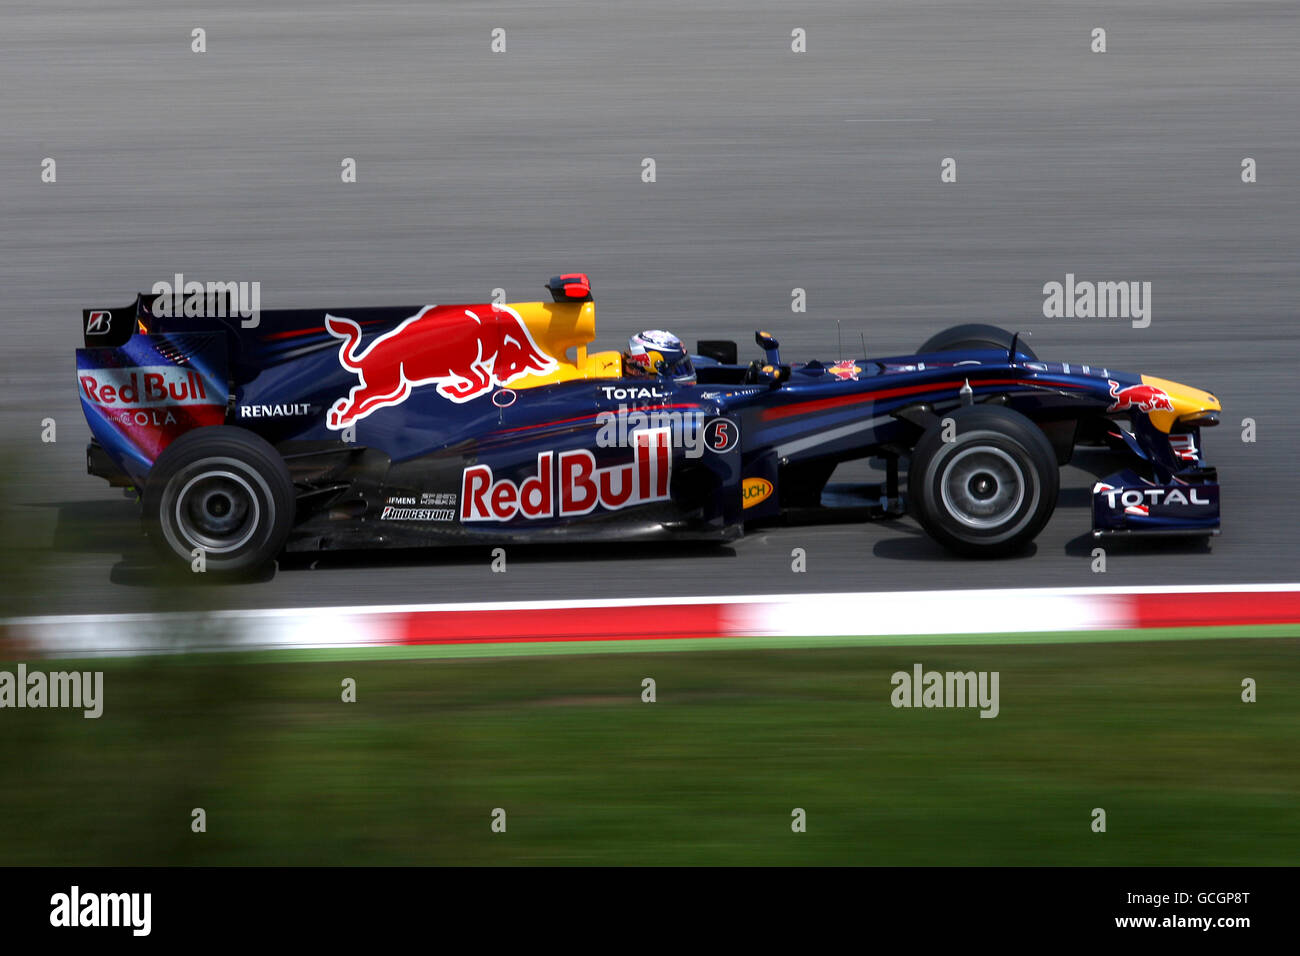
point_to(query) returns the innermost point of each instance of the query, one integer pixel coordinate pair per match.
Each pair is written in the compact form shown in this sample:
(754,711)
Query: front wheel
(983,481)
(223,491)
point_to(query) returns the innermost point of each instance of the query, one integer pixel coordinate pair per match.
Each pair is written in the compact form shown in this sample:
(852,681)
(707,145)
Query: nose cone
(1185,399)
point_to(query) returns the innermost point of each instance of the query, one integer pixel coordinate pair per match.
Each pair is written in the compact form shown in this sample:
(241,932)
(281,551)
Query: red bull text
(570,484)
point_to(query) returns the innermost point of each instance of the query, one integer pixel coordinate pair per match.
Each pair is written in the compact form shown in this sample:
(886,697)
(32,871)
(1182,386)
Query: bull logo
(1146,398)
(845,371)
(465,353)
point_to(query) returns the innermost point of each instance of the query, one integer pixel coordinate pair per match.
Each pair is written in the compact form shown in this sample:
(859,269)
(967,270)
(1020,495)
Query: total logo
(1139,501)
(570,484)
(632,393)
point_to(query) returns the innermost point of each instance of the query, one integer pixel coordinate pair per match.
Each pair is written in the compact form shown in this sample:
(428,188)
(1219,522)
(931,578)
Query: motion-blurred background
(775,170)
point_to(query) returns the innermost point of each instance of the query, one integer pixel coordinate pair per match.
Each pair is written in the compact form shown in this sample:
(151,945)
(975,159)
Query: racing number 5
(721,435)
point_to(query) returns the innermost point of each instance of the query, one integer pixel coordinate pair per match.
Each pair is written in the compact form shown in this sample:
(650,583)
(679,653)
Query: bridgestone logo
(418,514)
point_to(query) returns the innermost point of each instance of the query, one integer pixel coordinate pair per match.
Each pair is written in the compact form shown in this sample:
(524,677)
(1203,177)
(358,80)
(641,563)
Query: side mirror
(770,346)
(723,351)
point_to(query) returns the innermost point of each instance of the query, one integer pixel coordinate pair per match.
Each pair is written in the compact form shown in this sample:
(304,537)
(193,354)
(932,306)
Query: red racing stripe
(824,404)
(641,622)
(1209,609)
(584,418)
(315,330)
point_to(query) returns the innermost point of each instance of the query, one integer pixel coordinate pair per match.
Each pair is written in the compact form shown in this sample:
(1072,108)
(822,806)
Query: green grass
(1154,733)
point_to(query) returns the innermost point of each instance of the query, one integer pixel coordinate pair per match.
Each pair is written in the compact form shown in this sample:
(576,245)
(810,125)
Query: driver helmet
(655,346)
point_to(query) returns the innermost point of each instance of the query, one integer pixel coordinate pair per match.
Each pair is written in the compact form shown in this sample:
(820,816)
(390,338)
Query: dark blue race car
(414,426)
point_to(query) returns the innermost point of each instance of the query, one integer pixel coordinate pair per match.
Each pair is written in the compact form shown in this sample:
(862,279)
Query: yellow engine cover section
(563,330)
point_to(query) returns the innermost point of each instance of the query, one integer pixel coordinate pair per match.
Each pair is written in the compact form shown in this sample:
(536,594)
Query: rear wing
(217,308)
(110,328)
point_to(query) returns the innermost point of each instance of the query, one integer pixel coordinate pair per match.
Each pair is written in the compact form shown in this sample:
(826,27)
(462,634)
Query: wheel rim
(217,511)
(982,487)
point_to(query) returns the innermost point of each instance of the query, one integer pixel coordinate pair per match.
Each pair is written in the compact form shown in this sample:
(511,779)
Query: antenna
(1015,340)
(864,344)
(839,339)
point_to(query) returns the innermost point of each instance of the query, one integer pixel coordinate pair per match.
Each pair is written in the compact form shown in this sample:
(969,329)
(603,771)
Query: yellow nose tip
(1185,399)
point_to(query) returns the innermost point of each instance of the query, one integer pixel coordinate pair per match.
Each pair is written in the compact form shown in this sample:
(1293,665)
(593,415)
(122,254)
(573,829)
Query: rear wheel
(974,335)
(224,491)
(991,488)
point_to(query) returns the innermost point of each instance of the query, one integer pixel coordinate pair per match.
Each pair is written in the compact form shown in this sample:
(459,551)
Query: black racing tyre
(988,491)
(973,335)
(224,490)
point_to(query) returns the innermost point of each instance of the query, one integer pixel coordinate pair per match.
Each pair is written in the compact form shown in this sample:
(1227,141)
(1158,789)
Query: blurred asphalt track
(775,170)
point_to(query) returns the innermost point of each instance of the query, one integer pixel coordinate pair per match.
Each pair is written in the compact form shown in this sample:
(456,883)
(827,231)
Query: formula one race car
(310,429)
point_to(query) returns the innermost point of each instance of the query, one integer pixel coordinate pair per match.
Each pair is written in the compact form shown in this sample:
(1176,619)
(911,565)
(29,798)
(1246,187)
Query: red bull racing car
(486,423)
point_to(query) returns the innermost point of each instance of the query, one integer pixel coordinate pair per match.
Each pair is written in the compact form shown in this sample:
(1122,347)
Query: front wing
(1179,494)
